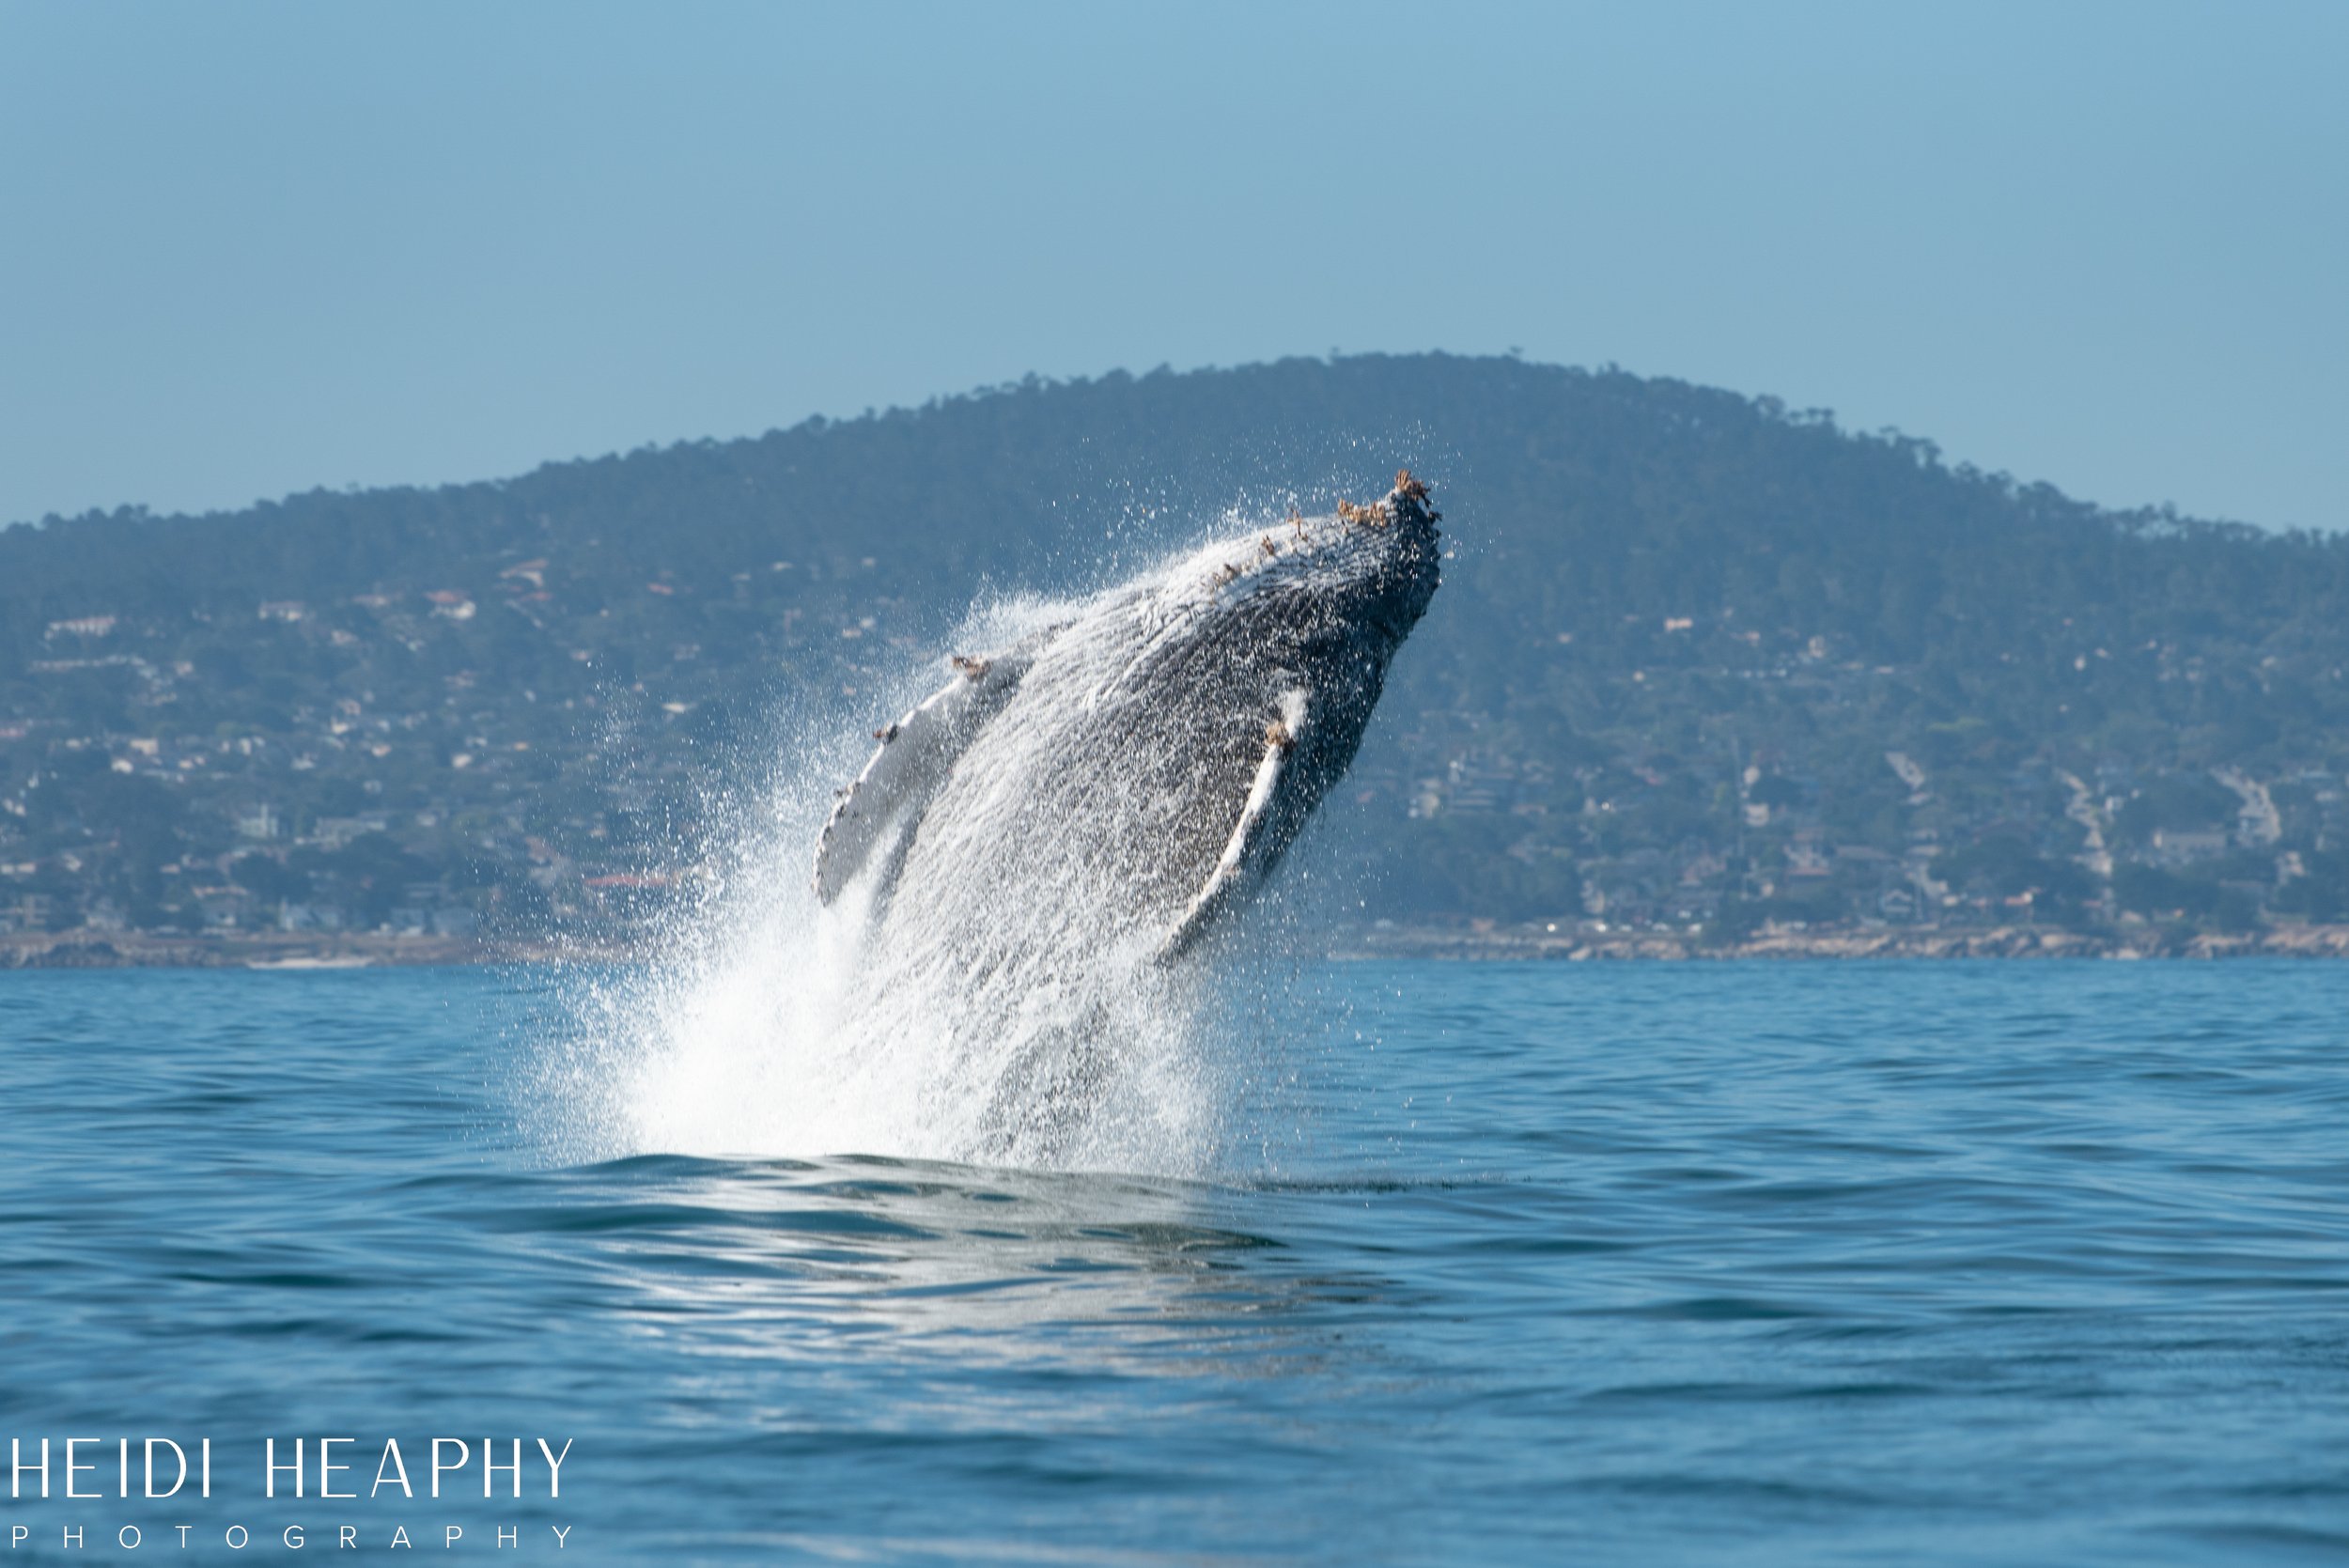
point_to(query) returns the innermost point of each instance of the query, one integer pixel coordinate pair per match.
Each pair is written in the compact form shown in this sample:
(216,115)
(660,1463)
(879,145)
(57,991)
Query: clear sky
(257,247)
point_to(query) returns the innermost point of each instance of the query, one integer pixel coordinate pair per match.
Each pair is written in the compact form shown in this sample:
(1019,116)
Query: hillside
(1701,661)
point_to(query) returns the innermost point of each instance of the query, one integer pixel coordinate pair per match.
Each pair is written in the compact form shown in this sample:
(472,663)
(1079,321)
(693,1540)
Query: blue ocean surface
(2025,1263)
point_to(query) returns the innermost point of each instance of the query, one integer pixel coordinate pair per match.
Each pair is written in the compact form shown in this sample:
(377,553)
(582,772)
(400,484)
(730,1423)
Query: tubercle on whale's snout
(1405,505)
(1386,550)
(1414,518)
(1409,499)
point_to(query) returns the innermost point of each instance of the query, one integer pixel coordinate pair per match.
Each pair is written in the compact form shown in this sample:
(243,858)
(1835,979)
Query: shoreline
(132,950)
(1879,943)
(93,950)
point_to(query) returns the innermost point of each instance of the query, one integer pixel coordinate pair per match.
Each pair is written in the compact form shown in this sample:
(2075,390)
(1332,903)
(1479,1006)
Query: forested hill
(1701,661)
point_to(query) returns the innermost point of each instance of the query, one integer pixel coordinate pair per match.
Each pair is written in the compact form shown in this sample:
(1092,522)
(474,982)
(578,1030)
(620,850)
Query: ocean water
(1734,1263)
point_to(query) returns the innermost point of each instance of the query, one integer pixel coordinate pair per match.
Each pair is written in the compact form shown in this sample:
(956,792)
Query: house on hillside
(82,626)
(2179,846)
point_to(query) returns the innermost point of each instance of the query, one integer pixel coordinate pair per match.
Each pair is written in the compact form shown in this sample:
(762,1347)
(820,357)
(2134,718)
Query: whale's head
(1265,658)
(1329,597)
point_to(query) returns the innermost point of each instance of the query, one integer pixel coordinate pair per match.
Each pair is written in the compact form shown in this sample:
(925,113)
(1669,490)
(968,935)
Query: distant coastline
(1477,942)
(1701,661)
(1501,943)
(109,949)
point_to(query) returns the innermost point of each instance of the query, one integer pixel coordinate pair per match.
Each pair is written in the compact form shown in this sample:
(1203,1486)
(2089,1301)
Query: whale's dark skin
(1165,745)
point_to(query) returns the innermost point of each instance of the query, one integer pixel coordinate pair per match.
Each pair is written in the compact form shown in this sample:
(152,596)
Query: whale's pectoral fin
(1250,848)
(916,754)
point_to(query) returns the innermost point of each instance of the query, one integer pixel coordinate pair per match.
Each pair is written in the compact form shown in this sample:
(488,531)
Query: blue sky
(254,248)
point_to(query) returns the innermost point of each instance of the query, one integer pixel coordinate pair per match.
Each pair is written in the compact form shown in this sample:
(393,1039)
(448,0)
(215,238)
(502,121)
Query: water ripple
(1964,1263)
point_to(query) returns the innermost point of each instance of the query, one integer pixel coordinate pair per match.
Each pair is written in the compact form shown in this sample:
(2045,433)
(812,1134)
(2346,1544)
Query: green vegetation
(1701,661)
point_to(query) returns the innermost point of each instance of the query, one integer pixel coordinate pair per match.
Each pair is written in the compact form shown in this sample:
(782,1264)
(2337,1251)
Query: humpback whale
(1087,804)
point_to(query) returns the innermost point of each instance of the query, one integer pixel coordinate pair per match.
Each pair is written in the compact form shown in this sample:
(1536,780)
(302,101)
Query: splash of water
(949,1024)
(770,1025)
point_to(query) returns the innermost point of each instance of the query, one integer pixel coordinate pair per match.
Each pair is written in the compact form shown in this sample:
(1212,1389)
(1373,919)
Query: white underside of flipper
(916,754)
(1241,860)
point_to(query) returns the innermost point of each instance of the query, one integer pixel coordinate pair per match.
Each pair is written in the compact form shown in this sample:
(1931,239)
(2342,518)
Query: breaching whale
(1170,739)
(1032,852)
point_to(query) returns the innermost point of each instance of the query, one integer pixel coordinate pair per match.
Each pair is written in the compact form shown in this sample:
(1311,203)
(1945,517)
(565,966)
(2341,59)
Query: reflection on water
(788,1259)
